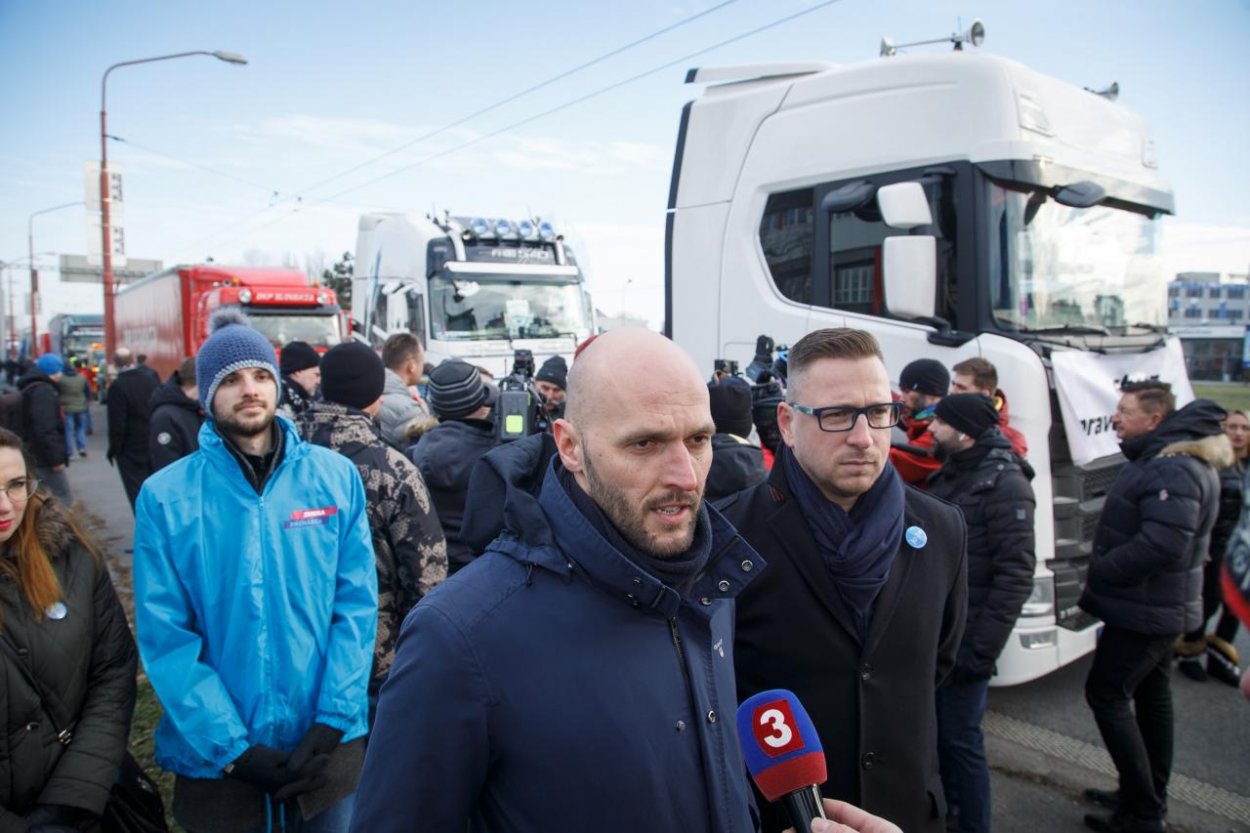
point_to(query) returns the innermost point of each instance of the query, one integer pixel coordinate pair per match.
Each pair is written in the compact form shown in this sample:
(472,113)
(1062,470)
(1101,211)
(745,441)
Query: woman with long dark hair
(1217,646)
(67,662)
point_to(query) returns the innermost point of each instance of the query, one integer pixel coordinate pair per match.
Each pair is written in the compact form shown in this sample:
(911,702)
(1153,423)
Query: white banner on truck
(1088,385)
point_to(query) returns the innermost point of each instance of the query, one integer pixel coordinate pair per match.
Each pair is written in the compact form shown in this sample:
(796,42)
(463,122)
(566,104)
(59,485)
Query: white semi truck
(472,288)
(955,205)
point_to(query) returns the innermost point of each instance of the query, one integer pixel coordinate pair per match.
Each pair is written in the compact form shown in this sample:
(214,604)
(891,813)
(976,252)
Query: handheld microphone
(783,754)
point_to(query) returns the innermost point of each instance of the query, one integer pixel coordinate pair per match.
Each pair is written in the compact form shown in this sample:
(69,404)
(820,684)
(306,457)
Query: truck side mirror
(904,205)
(910,266)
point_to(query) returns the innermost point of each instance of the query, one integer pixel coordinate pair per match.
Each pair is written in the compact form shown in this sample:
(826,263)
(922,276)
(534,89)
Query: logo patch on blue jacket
(310,517)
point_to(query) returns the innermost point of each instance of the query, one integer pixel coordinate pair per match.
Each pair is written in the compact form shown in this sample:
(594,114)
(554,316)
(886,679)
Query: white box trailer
(955,205)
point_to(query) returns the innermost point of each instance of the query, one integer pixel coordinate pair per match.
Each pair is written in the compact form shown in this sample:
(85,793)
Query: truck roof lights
(527,230)
(546,231)
(245,296)
(480,227)
(323,298)
(505,229)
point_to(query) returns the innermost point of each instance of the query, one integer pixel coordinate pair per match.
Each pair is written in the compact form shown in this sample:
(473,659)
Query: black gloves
(286,776)
(264,767)
(309,761)
(320,739)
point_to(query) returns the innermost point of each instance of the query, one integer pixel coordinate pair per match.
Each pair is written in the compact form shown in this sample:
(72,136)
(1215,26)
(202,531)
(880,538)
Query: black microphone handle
(802,806)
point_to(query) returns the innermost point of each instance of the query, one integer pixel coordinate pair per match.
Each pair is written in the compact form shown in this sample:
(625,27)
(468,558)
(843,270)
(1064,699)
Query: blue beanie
(233,345)
(50,363)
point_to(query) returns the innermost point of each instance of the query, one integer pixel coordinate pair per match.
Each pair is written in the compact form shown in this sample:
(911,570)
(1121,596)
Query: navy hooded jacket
(555,686)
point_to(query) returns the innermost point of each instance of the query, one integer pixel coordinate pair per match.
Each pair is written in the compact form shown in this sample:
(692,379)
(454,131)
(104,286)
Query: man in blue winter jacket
(579,674)
(256,608)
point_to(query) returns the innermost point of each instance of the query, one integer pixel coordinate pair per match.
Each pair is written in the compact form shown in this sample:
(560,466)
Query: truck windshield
(316,330)
(500,306)
(1076,270)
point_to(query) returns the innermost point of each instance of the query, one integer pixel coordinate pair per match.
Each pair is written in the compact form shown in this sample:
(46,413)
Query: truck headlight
(1041,602)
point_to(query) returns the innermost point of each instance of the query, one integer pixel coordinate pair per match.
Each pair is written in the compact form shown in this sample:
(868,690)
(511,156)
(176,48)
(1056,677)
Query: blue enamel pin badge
(916,537)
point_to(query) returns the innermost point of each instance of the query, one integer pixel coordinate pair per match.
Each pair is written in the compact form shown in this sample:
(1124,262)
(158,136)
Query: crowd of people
(360,610)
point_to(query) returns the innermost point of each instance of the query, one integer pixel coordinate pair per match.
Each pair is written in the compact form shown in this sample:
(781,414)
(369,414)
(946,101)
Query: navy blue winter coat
(555,686)
(1145,572)
(446,455)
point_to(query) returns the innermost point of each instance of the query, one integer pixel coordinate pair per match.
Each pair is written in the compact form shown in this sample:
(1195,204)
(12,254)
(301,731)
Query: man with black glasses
(862,607)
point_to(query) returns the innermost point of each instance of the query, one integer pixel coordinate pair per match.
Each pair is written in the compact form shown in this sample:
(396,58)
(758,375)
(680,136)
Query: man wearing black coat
(128,400)
(1145,583)
(447,452)
(990,484)
(862,607)
(174,426)
(736,463)
(43,429)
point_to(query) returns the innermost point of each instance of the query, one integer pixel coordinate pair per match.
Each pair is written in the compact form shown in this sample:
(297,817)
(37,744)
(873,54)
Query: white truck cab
(955,205)
(471,288)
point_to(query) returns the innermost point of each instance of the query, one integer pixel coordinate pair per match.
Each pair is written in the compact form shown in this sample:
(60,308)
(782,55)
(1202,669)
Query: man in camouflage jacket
(407,537)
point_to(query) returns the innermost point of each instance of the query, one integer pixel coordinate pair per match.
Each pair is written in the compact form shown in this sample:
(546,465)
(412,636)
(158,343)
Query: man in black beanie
(922,384)
(736,463)
(301,373)
(447,452)
(990,483)
(407,538)
(551,381)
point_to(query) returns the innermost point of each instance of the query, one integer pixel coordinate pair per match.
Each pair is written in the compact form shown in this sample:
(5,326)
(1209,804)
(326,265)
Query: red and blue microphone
(783,754)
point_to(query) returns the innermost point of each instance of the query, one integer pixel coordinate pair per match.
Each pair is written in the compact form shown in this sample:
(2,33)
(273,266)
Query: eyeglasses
(21,489)
(837,418)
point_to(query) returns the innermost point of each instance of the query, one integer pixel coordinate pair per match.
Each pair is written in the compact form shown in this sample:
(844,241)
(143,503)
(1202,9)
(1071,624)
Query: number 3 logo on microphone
(774,729)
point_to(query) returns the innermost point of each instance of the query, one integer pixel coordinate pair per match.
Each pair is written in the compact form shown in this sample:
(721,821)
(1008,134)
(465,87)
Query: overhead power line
(522,122)
(580,99)
(275,194)
(511,98)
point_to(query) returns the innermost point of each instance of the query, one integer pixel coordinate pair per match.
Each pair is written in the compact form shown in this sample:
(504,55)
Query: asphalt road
(1042,742)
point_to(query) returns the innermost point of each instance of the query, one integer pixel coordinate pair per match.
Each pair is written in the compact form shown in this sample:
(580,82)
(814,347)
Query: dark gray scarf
(858,548)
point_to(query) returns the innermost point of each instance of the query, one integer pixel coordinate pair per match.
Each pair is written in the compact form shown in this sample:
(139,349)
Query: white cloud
(1197,247)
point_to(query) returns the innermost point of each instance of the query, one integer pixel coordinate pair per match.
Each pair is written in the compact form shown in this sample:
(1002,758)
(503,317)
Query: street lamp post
(34,273)
(105,231)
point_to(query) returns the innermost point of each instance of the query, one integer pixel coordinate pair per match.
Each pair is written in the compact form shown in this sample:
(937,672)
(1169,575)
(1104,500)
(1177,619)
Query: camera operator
(447,452)
(550,381)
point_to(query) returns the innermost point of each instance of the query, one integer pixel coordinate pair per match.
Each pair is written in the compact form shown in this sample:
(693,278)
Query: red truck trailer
(166,315)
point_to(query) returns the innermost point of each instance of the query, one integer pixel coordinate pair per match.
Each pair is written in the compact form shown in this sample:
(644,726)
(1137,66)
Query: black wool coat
(86,661)
(128,410)
(872,705)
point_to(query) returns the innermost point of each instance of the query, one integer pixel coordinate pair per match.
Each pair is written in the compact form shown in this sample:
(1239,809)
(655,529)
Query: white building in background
(1210,317)
(1200,298)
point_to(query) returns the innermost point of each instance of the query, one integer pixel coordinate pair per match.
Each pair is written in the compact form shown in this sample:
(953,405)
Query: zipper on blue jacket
(685,672)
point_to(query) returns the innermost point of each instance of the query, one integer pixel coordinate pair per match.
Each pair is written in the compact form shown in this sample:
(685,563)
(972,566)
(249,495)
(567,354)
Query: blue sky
(227,161)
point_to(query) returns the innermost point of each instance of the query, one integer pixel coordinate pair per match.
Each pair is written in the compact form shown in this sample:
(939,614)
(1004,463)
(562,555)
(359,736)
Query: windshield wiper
(1071,329)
